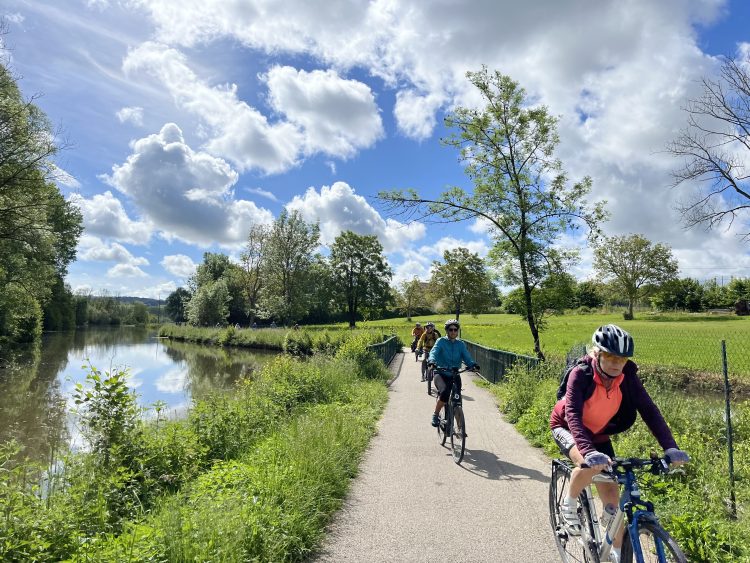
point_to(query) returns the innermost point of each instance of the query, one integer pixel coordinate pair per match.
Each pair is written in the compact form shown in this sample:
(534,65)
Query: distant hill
(148,301)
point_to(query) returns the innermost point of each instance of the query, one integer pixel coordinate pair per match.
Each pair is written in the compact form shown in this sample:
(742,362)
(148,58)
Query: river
(36,385)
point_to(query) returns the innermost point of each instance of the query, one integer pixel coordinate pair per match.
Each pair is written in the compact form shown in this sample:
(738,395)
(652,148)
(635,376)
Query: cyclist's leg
(443,388)
(609,491)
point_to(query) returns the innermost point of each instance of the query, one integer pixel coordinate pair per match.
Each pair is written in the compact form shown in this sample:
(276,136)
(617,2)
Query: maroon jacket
(568,412)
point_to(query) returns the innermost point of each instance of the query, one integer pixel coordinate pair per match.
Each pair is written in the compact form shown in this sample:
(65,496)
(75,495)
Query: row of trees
(39,230)
(282,277)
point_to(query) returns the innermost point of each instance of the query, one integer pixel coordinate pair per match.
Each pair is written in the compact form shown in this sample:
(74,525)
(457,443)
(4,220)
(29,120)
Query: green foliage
(175,304)
(209,304)
(39,228)
(634,265)
(684,293)
(360,273)
(462,282)
(253,475)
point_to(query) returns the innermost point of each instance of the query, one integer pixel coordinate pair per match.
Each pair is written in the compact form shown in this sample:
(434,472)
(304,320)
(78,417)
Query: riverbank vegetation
(692,505)
(251,475)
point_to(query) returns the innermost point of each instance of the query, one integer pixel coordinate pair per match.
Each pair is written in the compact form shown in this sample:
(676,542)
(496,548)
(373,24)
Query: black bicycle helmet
(612,339)
(452,322)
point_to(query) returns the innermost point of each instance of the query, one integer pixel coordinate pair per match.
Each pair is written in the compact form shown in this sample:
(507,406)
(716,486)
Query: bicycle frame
(630,500)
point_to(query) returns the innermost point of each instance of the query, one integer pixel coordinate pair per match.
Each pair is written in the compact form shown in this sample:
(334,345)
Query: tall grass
(692,506)
(249,476)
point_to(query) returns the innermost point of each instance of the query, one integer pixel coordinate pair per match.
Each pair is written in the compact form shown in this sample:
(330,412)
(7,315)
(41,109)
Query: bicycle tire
(443,426)
(572,548)
(651,535)
(428,376)
(458,434)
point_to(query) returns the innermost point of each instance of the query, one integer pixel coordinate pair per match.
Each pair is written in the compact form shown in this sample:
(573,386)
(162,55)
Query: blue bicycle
(645,540)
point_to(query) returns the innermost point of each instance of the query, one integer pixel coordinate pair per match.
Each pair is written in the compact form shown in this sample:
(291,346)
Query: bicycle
(429,376)
(453,423)
(645,540)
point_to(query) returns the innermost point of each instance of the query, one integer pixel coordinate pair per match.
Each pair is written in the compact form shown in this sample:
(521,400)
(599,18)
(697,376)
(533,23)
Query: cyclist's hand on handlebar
(597,460)
(676,456)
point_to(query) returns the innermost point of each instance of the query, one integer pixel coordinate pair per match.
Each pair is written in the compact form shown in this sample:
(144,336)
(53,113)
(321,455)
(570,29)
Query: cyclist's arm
(651,414)
(420,344)
(436,355)
(574,401)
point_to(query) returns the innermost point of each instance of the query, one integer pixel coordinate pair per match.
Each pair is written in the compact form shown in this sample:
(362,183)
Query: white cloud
(337,116)
(126,271)
(415,113)
(174,381)
(65,178)
(410,268)
(93,249)
(338,208)
(238,131)
(450,243)
(132,114)
(263,193)
(104,215)
(179,265)
(16,18)
(186,194)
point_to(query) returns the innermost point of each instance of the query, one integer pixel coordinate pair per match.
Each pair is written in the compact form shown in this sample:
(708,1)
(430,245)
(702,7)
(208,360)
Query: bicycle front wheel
(444,426)
(657,546)
(573,547)
(458,434)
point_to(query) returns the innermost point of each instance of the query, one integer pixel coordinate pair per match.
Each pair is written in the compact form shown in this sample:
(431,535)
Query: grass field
(686,341)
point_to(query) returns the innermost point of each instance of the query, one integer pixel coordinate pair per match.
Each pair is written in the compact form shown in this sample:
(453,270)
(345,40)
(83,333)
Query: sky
(186,122)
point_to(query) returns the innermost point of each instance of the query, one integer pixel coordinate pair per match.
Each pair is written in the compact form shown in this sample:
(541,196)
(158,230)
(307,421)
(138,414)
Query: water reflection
(36,384)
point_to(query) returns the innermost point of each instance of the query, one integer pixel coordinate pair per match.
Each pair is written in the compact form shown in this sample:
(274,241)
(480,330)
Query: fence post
(730,444)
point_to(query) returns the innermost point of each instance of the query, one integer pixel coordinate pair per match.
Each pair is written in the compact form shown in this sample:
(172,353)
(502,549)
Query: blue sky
(189,121)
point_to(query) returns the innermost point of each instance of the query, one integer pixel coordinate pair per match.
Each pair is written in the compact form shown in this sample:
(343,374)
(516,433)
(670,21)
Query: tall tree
(291,248)
(714,149)
(39,230)
(634,265)
(520,188)
(360,272)
(462,282)
(410,295)
(175,304)
(209,304)
(252,260)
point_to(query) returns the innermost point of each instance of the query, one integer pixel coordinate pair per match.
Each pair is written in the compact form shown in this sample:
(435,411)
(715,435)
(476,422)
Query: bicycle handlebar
(454,370)
(655,464)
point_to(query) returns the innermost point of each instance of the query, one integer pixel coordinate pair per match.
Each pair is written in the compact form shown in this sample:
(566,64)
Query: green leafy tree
(634,265)
(175,304)
(410,295)
(716,296)
(360,273)
(685,293)
(589,294)
(60,310)
(461,281)
(253,260)
(39,230)
(291,254)
(209,305)
(553,295)
(138,314)
(520,188)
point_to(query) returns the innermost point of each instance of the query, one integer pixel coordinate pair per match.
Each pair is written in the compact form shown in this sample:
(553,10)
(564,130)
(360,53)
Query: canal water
(36,385)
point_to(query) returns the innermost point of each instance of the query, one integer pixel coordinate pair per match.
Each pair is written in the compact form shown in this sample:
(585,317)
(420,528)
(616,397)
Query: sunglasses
(452,329)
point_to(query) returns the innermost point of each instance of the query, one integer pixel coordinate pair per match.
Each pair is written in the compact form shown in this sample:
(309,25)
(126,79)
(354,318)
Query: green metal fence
(386,350)
(494,363)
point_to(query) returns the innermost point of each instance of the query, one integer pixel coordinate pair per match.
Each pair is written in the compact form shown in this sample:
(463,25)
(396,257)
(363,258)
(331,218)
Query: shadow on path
(486,464)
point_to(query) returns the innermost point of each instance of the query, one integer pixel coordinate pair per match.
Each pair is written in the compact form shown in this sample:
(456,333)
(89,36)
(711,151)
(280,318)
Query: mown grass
(693,505)
(250,476)
(687,341)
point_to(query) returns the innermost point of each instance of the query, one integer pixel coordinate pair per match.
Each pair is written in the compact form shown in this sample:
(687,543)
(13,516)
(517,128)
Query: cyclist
(426,342)
(448,353)
(416,333)
(602,397)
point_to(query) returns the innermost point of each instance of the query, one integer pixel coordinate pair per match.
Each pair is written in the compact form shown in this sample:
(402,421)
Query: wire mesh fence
(494,363)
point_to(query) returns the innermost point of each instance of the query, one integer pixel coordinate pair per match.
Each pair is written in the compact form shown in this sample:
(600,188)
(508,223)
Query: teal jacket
(449,354)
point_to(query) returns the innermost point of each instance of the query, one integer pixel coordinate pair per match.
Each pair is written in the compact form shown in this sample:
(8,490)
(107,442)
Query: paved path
(400,506)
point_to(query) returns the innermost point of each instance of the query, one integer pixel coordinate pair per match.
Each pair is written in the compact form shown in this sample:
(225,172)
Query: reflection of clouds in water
(174,381)
(134,382)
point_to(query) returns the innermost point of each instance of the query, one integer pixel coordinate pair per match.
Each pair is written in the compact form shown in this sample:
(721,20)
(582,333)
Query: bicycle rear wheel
(573,548)
(458,434)
(657,546)
(428,376)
